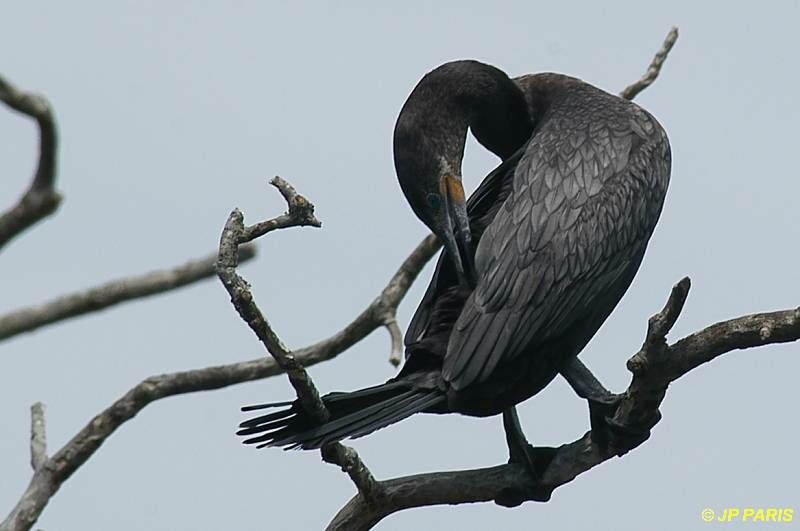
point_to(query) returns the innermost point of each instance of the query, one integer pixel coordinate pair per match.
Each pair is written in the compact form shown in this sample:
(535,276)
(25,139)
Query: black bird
(533,263)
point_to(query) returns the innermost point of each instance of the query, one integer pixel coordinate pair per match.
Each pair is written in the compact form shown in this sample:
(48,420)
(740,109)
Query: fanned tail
(352,415)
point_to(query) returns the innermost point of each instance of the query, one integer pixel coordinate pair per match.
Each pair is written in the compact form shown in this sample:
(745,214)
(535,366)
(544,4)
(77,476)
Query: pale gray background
(173,113)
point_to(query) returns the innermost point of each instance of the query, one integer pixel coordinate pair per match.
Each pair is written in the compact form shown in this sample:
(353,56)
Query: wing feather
(586,195)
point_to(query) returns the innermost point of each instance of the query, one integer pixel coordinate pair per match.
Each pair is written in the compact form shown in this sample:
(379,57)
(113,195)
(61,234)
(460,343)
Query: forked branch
(301,212)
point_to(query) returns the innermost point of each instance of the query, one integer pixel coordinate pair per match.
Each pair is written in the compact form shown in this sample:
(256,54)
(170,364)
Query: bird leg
(519,449)
(534,459)
(602,406)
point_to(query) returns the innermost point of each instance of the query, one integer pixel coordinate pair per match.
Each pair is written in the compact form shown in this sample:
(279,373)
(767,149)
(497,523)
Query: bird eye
(434,201)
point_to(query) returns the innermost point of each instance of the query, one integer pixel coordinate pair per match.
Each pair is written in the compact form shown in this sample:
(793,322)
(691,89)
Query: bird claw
(611,434)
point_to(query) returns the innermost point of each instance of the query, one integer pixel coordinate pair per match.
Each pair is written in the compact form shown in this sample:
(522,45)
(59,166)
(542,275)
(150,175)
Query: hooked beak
(457,236)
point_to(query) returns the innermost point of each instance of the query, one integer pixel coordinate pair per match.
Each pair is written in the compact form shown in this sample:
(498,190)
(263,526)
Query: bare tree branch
(41,199)
(632,90)
(111,293)
(653,367)
(301,212)
(234,234)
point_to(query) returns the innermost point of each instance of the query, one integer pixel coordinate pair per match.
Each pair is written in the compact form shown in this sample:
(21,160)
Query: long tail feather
(352,415)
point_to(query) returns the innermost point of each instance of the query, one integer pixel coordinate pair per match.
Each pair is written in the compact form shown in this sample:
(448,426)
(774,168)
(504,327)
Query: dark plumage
(556,234)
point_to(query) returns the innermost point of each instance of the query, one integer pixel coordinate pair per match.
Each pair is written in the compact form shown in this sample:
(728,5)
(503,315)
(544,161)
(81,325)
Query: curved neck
(457,96)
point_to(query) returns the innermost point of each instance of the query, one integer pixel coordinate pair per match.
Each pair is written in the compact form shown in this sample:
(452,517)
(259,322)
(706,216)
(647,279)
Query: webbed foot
(608,433)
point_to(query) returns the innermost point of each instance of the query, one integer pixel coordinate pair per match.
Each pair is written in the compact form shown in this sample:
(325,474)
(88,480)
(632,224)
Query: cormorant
(533,263)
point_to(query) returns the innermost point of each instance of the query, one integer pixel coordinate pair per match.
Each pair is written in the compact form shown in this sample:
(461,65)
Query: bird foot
(535,460)
(610,434)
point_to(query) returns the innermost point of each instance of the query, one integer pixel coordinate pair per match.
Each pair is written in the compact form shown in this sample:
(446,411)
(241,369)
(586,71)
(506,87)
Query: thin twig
(41,199)
(654,69)
(38,437)
(111,293)
(396,335)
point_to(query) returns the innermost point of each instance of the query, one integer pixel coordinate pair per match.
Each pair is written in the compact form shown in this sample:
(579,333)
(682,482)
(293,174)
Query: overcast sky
(173,113)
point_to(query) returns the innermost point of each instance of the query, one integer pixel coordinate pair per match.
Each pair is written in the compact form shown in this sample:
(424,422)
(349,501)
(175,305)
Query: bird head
(429,142)
(430,177)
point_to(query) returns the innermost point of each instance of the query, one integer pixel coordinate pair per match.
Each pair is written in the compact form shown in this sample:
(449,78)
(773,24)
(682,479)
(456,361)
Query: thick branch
(745,332)
(111,293)
(654,367)
(41,199)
